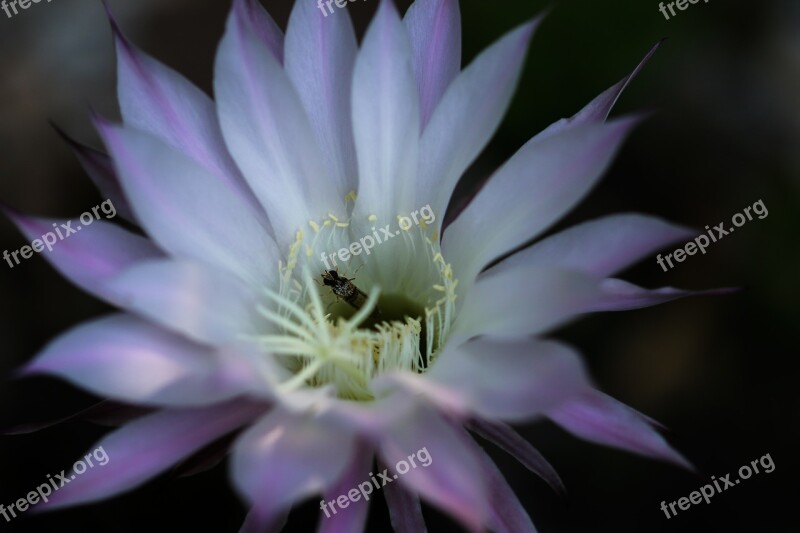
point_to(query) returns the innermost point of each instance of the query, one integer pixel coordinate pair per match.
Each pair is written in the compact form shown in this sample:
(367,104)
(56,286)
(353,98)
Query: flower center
(344,322)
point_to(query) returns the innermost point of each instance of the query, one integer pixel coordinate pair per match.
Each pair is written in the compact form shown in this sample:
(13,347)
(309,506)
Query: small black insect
(345,289)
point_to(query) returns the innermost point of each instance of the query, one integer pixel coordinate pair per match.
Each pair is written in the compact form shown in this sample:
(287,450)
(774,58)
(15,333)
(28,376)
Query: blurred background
(720,372)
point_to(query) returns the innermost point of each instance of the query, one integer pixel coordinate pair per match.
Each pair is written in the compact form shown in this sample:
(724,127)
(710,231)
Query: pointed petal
(148,446)
(320,55)
(285,458)
(101,171)
(599,418)
(268,133)
(353,518)
(187,210)
(386,127)
(93,254)
(467,117)
(524,300)
(452,479)
(126,359)
(405,510)
(619,295)
(602,247)
(158,100)
(434,30)
(508,440)
(598,109)
(554,174)
(195,300)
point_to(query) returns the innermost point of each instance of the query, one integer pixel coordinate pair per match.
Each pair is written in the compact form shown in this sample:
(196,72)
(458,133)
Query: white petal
(539,184)
(386,119)
(187,210)
(602,246)
(206,305)
(268,133)
(523,300)
(320,55)
(467,117)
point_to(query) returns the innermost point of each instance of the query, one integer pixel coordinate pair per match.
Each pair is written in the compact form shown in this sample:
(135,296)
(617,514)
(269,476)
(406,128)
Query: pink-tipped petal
(148,446)
(285,458)
(386,128)
(619,295)
(452,479)
(538,185)
(601,247)
(91,255)
(187,210)
(123,358)
(268,132)
(467,116)
(508,440)
(158,100)
(320,55)
(599,418)
(434,30)
(598,109)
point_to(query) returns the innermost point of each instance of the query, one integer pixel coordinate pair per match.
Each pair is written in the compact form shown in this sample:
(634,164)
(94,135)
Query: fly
(345,289)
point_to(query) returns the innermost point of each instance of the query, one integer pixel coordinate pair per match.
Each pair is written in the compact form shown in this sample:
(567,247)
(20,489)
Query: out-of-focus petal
(467,117)
(207,305)
(124,358)
(187,210)
(353,518)
(452,480)
(285,458)
(434,30)
(507,513)
(538,185)
(320,55)
(148,446)
(268,132)
(599,418)
(386,120)
(505,438)
(405,509)
(602,247)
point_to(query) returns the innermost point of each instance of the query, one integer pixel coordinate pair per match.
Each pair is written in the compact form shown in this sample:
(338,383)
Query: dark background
(720,372)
